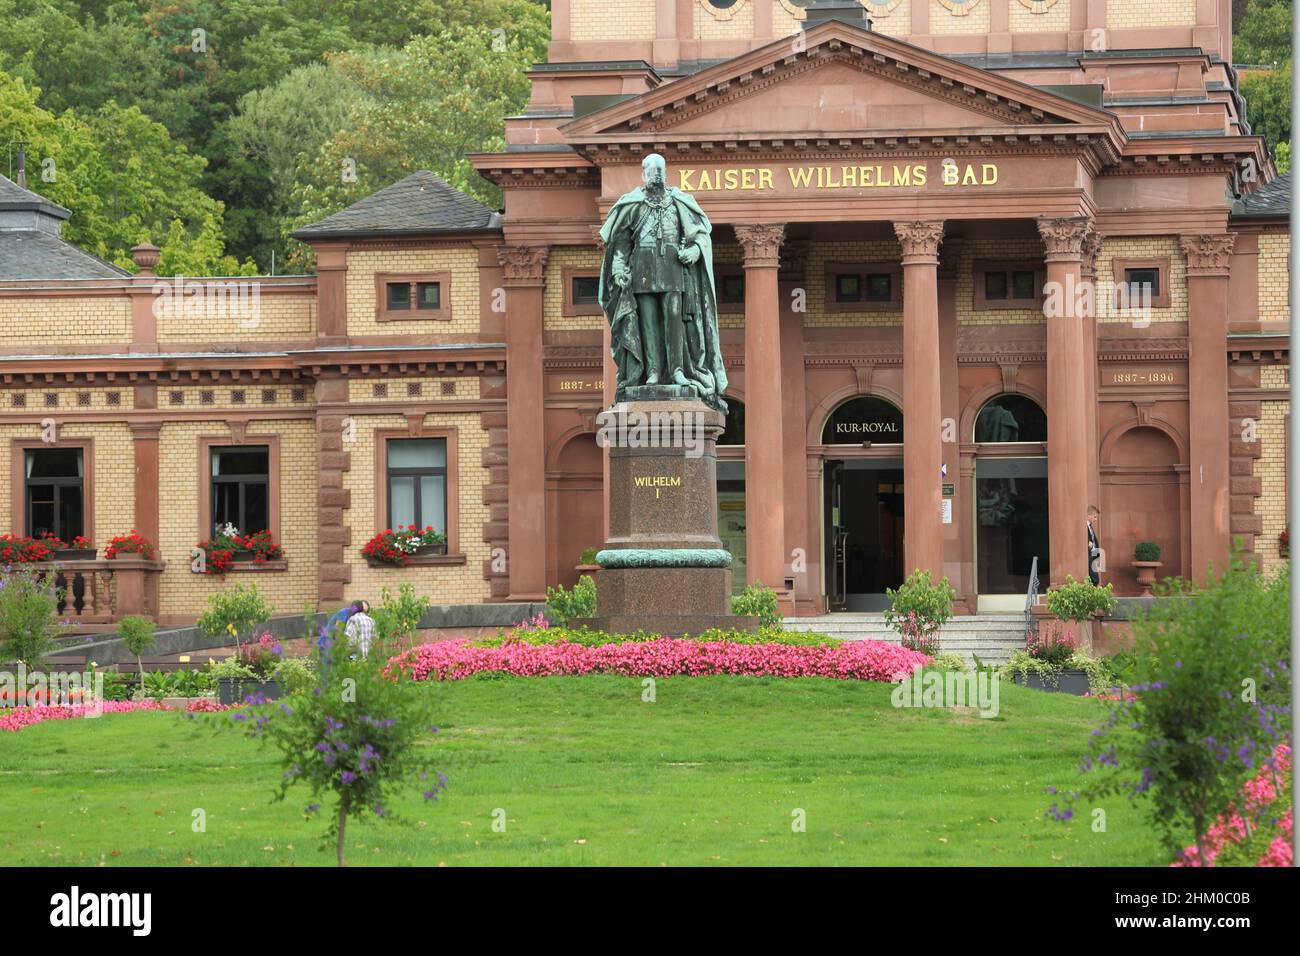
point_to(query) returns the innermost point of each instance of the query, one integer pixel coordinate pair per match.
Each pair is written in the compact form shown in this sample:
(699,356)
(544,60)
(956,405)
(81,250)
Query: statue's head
(654,170)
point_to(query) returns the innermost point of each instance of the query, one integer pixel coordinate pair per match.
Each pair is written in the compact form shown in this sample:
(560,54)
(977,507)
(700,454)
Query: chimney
(846,11)
(22,168)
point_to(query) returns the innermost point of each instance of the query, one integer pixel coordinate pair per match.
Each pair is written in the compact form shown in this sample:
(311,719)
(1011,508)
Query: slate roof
(30,244)
(1271,200)
(420,204)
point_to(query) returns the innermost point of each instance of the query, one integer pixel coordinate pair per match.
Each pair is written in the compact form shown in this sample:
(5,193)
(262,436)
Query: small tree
(137,635)
(760,602)
(564,606)
(358,736)
(919,609)
(398,618)
(29,609)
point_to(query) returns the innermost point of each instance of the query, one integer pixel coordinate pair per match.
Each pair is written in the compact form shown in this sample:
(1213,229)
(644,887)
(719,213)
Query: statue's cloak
(703,364)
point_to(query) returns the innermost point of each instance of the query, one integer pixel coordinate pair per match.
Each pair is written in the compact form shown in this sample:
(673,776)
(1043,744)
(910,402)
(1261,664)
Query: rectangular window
(428,295)
(586,290)
(417,482)
(1007,285)
(848,288)
(732,290)
(55,492)
(880,287)
(241,488)
(1142,283)
(399,296)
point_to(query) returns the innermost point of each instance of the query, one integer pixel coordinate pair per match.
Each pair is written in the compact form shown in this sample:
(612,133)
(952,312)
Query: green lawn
(588,774)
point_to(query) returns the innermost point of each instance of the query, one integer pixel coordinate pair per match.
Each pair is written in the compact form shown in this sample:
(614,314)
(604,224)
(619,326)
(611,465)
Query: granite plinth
(669,625)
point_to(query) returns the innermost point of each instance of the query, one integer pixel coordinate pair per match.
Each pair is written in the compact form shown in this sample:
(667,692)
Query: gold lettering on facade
(657,481)
(910,175)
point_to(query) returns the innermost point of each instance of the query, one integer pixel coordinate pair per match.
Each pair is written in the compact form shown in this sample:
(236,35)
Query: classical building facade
(980,265)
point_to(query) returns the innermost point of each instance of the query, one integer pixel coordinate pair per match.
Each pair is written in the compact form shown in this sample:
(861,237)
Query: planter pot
(589,569)
(1070,682)
(1146,575)
(431,549)
(73,554)
(233,690)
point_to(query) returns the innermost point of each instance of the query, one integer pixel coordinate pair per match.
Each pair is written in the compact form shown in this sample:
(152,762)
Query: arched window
(734,432)
(1010,418)
(864,419)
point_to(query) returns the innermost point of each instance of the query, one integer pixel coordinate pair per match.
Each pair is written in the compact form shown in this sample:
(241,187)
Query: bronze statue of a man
(656,287)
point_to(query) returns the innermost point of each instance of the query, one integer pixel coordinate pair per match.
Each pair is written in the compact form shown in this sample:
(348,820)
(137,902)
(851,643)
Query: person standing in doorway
(1094,549)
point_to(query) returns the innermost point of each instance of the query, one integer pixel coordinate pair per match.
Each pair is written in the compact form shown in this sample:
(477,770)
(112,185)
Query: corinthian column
(1208,259)
(922,410)
(765,552)
(1067,398)
(524,272)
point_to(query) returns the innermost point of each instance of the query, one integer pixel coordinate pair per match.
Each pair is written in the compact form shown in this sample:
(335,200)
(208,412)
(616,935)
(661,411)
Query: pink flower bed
(20,717)
(1259,795)
(663,657)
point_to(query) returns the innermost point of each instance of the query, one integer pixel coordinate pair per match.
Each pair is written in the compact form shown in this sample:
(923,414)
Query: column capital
(950,257)
(1089,251)
(920,241)
(523,265)
(1209,254)
(1064,237)
(761,243)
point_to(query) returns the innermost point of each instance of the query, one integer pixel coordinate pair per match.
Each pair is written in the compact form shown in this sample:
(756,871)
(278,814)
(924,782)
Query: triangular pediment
(837,80)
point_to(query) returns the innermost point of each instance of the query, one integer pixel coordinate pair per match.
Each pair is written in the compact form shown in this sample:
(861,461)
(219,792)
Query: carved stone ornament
(1063,238)
(523,264)
(1208,254)
(920,240)
(761,242)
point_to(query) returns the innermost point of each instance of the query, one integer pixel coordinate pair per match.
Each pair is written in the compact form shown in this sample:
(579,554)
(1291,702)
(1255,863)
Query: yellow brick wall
(944,22)
(461,262)
(363,391)
(451,584)
(1027,250)
(112,476)
(603,20)
(182,592)
(224,396)
(737,25)
(819,254)
(1054,19)
(61,321)
(896,22)
(1274,277)
(1141,248)
(1270,468)
(553,298)
(1124,14)
(226,312)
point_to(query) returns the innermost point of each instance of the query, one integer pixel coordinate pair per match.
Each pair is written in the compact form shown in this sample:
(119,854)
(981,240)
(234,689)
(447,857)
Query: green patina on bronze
(665,558)
(656,288)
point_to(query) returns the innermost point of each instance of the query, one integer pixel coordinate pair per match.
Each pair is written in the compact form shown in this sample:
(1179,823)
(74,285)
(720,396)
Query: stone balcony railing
(94,593)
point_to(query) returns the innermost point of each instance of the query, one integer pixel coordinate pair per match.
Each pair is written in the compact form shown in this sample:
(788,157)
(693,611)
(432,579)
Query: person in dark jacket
(1094,549)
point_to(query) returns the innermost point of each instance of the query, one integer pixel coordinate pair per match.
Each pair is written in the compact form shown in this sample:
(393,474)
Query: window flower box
(228,548)
(131,545)
(81,548)
(20,549)
(396,548)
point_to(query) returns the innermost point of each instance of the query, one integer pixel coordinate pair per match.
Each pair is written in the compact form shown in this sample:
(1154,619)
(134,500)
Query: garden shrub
(564,606)
(918,609)
(760,602)
(1077,601)
(1208,708)
(238,613)
(1146,551)
(29,608)
(398,618)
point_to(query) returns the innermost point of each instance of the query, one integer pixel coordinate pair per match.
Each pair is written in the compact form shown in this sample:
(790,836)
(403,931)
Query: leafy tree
(1268,104)
(1262,33)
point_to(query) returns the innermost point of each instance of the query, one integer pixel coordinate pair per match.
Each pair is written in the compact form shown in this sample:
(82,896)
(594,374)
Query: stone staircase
(991,637)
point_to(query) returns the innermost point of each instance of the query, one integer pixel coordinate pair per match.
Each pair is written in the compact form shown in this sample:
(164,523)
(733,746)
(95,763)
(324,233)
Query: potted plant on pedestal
(587,562)
(250,671)
(1146,558)
(131,545)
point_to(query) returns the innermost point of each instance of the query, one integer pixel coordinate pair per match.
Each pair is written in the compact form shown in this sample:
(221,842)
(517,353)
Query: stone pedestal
(663,567)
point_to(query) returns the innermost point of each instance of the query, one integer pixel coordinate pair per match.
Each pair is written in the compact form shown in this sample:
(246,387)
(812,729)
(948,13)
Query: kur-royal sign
(837,176)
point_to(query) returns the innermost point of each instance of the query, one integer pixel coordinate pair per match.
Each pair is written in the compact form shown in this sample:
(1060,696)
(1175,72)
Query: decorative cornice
(761,243)
(523,265)
(920,241)
(1064,238)
(1208,255)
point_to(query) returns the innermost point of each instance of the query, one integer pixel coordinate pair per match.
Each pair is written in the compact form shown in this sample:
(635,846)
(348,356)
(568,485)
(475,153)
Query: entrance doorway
(864,532)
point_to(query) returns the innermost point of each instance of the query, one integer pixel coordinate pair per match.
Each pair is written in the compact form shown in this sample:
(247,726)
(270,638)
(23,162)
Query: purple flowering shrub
(357,738)
(1208,706)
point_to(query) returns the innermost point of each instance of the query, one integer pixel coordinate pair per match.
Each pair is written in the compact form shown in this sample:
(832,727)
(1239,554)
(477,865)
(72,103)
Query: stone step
(990,637)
